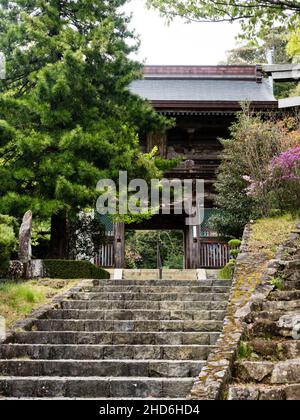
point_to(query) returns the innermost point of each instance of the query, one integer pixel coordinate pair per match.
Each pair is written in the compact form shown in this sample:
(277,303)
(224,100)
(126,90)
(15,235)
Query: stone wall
(251,282)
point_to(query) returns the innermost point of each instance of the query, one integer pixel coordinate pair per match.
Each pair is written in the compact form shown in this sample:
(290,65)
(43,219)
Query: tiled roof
(197,90)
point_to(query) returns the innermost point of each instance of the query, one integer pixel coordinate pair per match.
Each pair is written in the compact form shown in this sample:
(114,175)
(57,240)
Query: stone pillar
(24,253)
(119,245)
(25,238)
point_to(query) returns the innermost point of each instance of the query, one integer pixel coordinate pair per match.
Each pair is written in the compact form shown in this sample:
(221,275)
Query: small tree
(243,183)
(68,117)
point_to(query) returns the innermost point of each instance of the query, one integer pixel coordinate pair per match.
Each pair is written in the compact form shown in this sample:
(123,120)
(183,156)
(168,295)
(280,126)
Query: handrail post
(159,262)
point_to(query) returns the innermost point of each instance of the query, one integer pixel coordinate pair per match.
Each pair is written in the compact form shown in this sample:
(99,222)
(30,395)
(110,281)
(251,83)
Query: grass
(17,300)
(245,350)
(270,232)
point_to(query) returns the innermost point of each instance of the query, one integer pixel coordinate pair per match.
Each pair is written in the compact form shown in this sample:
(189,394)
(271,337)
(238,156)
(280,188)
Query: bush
(7,245)
(69,269)
(235,243)
(227,272)
(243,183)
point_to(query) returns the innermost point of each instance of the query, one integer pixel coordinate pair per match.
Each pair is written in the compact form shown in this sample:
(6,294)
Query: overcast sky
(179,43)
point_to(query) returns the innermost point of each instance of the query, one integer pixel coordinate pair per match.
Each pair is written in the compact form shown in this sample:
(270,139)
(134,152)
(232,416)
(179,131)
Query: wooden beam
(119,245)
(191,247)
(271,68)
(286,76)
(289,102)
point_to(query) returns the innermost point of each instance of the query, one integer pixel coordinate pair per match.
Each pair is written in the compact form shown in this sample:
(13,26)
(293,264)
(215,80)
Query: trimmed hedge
(70,269)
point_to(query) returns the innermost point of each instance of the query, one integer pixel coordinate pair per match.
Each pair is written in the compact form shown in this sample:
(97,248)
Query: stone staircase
(121,339)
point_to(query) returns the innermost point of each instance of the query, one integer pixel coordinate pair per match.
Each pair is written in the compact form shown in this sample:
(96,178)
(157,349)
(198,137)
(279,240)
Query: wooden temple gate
(203,101)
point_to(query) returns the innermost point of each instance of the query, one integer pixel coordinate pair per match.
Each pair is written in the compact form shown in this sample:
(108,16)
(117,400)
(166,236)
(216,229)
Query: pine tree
(67,116)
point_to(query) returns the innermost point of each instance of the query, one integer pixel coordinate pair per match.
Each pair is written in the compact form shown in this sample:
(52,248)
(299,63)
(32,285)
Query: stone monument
(25,241)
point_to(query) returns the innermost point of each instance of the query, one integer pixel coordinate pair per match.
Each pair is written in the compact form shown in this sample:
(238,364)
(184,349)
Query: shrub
(69,269)
(7,246)
(234,243)
(243,184)
(227,272)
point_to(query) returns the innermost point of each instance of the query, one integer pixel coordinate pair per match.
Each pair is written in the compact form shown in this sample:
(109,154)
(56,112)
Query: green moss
(68,269)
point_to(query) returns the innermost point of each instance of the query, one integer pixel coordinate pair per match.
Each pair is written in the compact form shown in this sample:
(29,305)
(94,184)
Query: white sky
(179,43)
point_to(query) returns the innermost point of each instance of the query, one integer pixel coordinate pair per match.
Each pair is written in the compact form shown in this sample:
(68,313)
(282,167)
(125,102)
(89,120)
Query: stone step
(103,352)
(155,338)
(157,289)
(274,373)
(286,295)
(281,305)
(280,349)
(213,274)
(140,387)
(168,274)
(264,392)
(266,328)
(135,314)
(71,368)
(151,296)
(269,315)
(142,304)
(171,283)
(128,325)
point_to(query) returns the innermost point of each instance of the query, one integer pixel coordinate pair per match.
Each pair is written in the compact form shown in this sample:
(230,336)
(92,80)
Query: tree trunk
(59,236)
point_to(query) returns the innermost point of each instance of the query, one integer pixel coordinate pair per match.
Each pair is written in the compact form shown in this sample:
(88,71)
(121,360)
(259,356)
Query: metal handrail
(159,261)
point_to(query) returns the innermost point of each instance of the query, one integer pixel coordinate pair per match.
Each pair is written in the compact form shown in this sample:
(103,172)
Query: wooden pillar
(158,140)
(119,245)
(191,248)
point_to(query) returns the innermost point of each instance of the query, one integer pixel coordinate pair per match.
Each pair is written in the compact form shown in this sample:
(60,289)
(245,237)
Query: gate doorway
(151,249)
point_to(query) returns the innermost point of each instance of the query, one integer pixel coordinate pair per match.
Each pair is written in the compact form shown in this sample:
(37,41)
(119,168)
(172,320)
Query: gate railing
(213,254)
(105,256)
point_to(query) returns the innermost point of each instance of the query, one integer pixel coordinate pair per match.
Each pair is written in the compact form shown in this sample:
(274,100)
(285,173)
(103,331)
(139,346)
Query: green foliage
(234,253)
(247,155)
(250,52)
(256,52)
(141,249)
(67,269)
(256,17)
(245,350)
(7,241)
(234,243)
(227,272)
(67,116)
(293,46)
(278,283)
